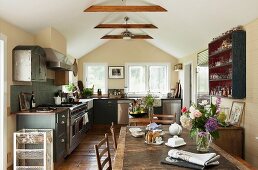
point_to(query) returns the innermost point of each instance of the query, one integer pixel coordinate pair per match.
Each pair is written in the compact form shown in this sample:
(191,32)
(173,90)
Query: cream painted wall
(119,52)
(15,36)
(250,117)
(51,38)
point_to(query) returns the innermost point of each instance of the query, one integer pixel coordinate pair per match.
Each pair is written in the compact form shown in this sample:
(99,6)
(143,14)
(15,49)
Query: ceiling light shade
(127,38)
(127,34)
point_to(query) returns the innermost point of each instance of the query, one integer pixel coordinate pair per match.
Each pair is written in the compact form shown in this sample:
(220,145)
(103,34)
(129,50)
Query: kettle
(57,100)
(175,129)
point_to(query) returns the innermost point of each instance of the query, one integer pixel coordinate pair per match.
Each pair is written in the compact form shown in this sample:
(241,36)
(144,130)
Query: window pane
(96,75)
(136,79)
(203,80)
(158,79)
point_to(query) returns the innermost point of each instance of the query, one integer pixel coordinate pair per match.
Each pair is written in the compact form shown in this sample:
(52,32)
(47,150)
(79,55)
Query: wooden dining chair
(138,121)
(112,129)
(163,118)
(101,151)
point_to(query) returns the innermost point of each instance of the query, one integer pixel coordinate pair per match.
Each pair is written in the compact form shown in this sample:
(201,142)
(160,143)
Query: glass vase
(203,140)
(150,112)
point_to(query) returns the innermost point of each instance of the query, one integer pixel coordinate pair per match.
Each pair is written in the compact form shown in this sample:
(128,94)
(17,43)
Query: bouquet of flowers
(203,118)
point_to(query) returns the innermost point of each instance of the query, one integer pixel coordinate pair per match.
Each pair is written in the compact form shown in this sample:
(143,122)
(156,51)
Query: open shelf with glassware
(227,65)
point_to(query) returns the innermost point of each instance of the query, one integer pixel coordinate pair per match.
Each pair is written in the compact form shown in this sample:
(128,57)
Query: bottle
(32,101)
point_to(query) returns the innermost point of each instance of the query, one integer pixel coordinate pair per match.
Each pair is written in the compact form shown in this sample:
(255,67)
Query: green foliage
(149,100)
(71,87)
(87,92)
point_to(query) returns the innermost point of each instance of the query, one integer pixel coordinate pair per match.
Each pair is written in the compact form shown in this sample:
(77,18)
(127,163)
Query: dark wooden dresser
(231,139)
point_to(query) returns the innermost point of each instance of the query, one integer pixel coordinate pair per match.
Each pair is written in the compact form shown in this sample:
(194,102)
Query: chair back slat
(99,154)
(163,118)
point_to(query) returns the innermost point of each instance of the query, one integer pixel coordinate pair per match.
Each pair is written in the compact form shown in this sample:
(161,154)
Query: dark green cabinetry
(56,121)
(104,111)
(90,117)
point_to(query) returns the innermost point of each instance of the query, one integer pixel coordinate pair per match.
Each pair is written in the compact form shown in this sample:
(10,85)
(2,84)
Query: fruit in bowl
(137,114)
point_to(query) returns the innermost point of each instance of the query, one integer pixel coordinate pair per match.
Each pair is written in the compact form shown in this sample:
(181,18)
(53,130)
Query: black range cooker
(77,120)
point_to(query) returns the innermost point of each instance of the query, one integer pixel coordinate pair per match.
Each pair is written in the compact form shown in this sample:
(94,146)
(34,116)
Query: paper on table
(199,159)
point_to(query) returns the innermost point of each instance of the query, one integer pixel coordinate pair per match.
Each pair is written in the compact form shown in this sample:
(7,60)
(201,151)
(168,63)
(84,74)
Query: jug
(57,100)
(175,129)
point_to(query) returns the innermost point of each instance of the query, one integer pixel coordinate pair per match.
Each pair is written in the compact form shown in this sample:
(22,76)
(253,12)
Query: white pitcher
(57,100)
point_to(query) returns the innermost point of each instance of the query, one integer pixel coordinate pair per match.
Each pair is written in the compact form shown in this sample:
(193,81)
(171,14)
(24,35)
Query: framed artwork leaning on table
(236,112)
(115,72)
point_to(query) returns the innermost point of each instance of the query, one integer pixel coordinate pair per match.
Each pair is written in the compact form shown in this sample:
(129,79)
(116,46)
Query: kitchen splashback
(44,93)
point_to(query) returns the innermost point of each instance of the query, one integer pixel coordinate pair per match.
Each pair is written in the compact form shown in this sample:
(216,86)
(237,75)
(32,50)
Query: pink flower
(197,113)
(184,109)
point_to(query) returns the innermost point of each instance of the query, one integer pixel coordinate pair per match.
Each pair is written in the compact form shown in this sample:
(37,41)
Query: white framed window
(142,78)
(3,104)
(96,74)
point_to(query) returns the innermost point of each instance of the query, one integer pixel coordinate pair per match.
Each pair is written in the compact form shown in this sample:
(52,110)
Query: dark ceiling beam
(153,8)
(121,37)
(147,26)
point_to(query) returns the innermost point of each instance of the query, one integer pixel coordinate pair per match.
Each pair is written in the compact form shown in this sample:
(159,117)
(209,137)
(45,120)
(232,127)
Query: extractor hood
(56,60)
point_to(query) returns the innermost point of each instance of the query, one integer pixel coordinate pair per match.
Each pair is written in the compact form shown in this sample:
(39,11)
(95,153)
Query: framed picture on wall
(236,113)
(116,72)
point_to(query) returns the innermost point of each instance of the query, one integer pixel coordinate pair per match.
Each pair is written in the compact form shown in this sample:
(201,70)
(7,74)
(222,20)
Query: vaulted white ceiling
(187,26)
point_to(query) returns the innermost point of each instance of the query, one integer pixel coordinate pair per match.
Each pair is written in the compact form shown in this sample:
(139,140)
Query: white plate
(137,134)
(135,130)
(174,146)
(160,143)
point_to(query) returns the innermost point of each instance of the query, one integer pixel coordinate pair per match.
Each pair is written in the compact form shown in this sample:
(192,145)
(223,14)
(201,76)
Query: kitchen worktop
(129,98)
(34,112)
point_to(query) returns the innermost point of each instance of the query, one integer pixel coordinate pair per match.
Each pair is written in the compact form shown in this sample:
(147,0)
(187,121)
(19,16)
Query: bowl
(137,115)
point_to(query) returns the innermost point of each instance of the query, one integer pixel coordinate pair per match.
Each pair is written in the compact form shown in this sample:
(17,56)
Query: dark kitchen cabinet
(56,121)
(105,111)
(90,117)
(227,65)
(29,63)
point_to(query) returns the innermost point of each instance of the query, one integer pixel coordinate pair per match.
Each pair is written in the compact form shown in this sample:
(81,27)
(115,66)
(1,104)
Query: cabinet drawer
(62,117)
(61,146)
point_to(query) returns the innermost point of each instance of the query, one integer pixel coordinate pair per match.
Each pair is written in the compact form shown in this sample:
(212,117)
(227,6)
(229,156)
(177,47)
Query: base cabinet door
(105,111)
(57,122)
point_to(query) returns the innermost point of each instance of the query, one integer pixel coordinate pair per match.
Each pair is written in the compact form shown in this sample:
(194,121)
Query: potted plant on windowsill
(87,92)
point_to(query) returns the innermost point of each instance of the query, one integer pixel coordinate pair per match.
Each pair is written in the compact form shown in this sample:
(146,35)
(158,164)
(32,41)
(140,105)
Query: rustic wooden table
(134,153)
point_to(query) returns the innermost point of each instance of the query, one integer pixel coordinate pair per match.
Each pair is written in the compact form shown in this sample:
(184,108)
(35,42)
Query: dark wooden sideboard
(231,139)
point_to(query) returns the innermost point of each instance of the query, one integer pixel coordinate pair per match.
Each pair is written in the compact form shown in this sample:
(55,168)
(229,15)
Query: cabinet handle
(62,140)
(63,115)
(62,122)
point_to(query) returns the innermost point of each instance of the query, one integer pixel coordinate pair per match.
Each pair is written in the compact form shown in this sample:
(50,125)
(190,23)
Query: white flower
(191,114)
(192,109)
(186,122)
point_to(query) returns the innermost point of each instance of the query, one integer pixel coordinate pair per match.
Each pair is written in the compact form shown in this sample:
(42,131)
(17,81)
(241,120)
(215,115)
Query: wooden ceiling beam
(148,26)
(153,8)
(121,37)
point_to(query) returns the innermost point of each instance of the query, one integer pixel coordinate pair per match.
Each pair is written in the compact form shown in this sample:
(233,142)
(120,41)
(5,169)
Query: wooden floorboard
(83,157)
